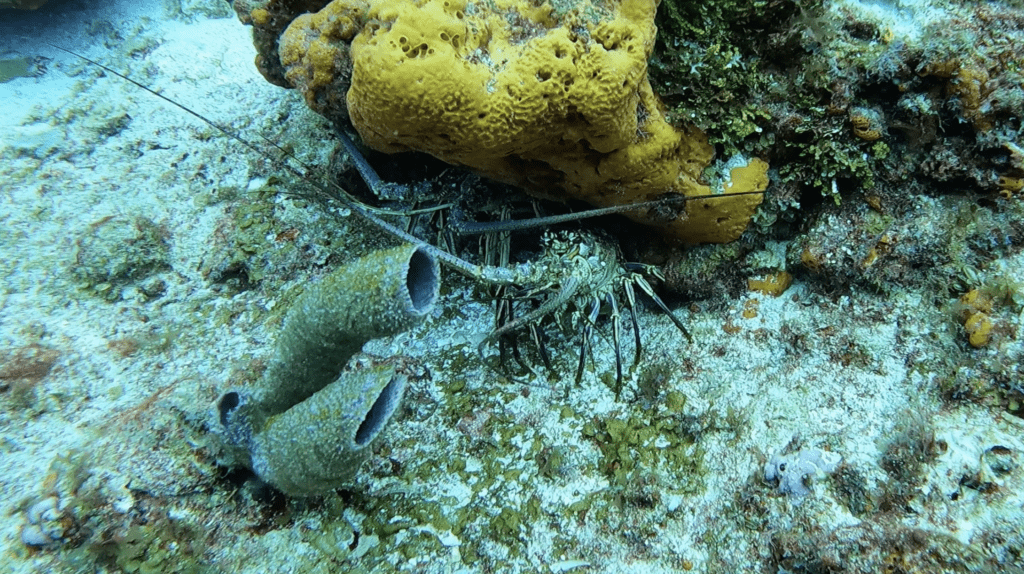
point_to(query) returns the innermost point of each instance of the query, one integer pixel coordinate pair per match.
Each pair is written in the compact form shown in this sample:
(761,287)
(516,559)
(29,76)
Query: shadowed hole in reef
(227,404)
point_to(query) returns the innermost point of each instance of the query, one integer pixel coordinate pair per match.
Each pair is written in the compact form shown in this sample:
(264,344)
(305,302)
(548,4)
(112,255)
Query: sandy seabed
(108,385)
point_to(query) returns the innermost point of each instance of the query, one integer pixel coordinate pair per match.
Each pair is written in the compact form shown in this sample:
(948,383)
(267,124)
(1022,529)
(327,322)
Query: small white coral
(794,472)
(45,524)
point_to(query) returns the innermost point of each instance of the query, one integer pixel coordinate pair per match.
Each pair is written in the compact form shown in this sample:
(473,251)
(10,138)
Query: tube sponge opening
(319,444)
(380,413)
(422,280)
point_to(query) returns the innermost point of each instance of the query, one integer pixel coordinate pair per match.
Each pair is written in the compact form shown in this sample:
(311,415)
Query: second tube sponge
(305,426)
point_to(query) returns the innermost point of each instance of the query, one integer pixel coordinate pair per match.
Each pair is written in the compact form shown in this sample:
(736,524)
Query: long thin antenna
(222,128)
(463,227)
(496,275)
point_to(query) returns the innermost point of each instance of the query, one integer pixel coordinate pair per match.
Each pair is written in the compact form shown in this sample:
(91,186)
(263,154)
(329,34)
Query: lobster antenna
(464,227)
(497,275)
(492,274)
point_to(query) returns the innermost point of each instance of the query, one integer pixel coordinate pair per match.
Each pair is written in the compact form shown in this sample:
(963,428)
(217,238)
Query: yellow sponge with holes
(556,101)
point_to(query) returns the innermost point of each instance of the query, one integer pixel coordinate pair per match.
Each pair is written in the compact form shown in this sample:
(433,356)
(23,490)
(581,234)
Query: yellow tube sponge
(555,100)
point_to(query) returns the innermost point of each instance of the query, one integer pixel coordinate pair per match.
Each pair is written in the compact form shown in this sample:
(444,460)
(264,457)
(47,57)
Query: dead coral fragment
(773,284)
(1012,182)
(794,472)
(977,323)
(47,525)
(1008,185)
(556,102)
(863,129)
(969,83)
(115,251)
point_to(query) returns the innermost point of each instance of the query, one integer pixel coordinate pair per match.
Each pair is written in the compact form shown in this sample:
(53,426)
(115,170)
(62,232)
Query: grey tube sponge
(306,426)
(319,444)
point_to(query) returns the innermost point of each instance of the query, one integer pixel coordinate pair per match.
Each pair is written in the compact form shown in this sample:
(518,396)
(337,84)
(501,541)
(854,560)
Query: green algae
(646,445)
(118,251)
